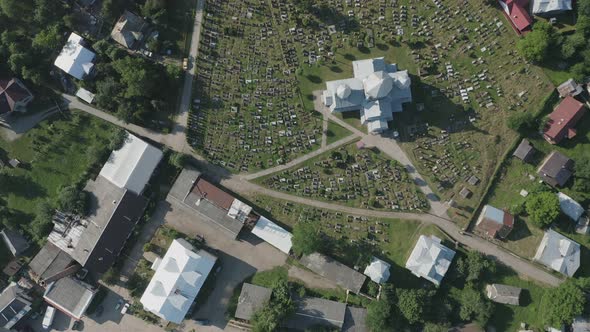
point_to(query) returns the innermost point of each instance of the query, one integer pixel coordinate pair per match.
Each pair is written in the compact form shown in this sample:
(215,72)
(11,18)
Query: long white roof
(559,253)
(430,259)
(74,58)
(549,6)
(273,234)
(177,281)
(131,166)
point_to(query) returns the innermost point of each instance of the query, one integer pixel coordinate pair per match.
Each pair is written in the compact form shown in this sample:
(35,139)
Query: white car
(125,308)
(48,318)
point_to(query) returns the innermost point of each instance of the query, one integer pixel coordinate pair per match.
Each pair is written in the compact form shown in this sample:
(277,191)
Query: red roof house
(516,11)
(14,96)
(563,119)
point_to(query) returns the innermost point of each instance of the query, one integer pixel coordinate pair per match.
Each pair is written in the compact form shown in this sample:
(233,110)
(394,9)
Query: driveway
(239,259)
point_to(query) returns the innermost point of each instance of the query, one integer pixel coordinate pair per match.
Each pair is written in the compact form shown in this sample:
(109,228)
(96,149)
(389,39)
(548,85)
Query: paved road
(521,266)
(177,138)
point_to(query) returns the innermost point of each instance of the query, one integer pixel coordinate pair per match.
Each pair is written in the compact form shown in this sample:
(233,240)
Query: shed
(274,234)
(569,207)
(524,151)
(504,294)
(251,299)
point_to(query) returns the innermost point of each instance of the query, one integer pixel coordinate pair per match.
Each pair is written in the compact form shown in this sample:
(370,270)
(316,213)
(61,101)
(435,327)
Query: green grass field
(336,132)
(53,154)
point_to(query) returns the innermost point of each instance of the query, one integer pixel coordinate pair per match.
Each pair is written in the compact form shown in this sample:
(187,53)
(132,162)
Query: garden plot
(352,176)
(247,114)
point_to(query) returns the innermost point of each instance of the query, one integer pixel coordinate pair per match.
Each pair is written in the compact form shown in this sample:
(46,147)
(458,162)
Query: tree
(584,7)
(521,122)
(573,44)
(136,75)
(582,176)
(543,208)
(107,92)
(17,9)
(534,46)
(153,8)
(563,303)
(47,40)
(379,316)
(474,306)
(412,303)
(46,11)
(178,159)
(433,327)
(117,139)
(269,317)
(111,276)
(71,199)
(474,266)
(306,238)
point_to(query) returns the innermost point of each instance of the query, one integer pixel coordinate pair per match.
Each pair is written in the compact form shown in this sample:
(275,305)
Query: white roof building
(550,7)
(378,270)
(85,95)
(570,207)
(75,59)
(177,281)
(559,253)
(377,90)
(273,234)
(131,166)
(430,259)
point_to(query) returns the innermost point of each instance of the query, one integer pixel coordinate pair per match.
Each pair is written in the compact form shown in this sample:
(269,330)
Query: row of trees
(269,317)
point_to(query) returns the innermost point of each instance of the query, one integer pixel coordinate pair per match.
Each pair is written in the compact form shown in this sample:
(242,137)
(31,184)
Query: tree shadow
(520,231)
(336,69)
(22,186)
(349,57)
(314,79)
(363,49)
(382,47)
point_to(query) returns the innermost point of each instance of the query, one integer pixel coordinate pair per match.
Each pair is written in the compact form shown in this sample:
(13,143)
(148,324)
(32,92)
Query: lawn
(336,132)
(56,153)
(351,176)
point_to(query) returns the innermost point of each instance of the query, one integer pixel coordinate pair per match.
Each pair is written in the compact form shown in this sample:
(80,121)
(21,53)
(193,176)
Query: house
(494,223)
(524,151)
(355,320)
(314,312)
(129,30)
(132,166)
(378,270)
(14,305)
(465,193)
(70,296)
(339,273)
(569,88)
(273,234)
(570,207)
(177,282)
(15,242)
(14,96)
(504,294)
(430,259)
(556,169)
(377,90)
(558,253)
(75,58)
(517,12)
(251,299)
(550,7)
(563,119)
(50,264)
(221,210)
(96,240)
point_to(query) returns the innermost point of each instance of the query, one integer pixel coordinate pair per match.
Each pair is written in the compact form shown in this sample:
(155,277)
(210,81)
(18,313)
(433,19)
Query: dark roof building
(70,296)
(129,30)
(14,96)
(15,241)
(197,195)
(355,320)
(51,263)
(563,119)
(14,304)
(251,299)
(341,274)
(556,169)
(96,240)
(569,88)
(503,294)
(312,312)
(494,223)
(524,151)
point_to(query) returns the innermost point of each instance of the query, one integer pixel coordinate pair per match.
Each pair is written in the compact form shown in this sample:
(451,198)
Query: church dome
(343,91)
(378,85)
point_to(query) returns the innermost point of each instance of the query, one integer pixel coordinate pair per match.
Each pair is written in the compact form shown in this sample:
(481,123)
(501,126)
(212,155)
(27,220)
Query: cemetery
(461,58)
(354,176)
